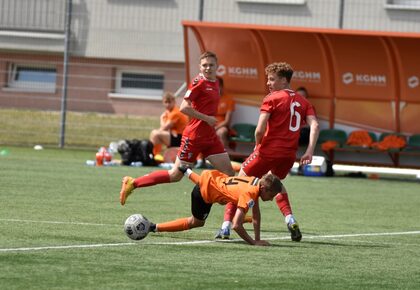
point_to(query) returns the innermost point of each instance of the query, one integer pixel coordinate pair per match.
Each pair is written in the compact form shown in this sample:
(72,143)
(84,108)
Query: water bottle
(166,165)
(90,162)
(136,164)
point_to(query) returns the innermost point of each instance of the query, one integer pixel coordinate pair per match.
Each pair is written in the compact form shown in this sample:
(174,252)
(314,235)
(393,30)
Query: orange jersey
(217,187)
(178,119)
(226,104)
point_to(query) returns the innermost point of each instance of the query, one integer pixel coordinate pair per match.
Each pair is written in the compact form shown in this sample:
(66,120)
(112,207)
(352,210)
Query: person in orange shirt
(172,124)
(213,186)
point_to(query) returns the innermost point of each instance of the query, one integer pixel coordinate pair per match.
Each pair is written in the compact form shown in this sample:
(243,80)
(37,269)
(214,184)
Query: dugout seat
(359,139)
(340,136)
(242,141)
(243,133)
(413,143)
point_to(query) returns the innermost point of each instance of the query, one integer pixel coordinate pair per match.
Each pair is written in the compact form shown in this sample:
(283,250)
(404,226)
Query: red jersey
(216,186)
(204,97)
(288,111)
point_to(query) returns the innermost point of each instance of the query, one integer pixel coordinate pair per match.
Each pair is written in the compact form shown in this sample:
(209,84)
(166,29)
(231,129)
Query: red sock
(157,149)
(282,200)
(174,226)
(156,177)
(230,210)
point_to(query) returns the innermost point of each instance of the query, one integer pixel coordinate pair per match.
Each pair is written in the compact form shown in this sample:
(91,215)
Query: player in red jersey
(213,186)
(200,104)
(282,114)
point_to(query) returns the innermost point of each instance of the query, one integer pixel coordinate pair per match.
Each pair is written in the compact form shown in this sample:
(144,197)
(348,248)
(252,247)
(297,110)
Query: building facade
(123,54)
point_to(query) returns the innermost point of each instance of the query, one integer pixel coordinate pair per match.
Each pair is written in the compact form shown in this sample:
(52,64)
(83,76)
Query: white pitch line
(367,235)
(57,222)
(25,249)
(66,247)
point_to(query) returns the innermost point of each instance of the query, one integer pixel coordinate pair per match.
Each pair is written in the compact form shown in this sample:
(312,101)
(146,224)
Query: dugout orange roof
(365,79)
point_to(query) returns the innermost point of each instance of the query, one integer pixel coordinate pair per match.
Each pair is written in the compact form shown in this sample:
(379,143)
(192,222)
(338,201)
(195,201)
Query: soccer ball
(136,227)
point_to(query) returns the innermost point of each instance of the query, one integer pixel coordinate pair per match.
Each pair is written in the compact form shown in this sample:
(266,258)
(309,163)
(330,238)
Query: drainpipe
(65,73)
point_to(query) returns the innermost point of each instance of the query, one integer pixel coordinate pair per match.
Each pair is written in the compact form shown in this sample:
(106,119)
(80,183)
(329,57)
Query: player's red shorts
(190,148)
(256,165)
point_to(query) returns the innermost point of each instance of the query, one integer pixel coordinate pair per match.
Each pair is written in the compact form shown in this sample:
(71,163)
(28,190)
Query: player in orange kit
(282,115)
(213,186)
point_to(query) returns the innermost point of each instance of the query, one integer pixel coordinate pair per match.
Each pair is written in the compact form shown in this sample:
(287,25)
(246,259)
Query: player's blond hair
(167,96)
(271,182)
(281,69)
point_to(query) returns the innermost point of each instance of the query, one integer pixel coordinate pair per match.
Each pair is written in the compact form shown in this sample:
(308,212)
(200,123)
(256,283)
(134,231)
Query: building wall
(141,30)
(152,31)
(90,85)
(376,15)
(313,14)
(147,34)
(39,15)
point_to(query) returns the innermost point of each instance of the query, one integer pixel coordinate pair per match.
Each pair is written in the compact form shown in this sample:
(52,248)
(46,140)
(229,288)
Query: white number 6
(296,114)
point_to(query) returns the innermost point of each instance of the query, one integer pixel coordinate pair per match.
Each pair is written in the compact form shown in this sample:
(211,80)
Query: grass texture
(61,228)
(82,130)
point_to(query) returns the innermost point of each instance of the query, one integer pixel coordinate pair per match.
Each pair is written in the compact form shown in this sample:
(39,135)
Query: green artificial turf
(61,227)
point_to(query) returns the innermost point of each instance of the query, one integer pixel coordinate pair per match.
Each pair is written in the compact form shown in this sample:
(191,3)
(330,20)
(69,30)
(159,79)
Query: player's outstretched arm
(256,221)
(238,226)
(313,138)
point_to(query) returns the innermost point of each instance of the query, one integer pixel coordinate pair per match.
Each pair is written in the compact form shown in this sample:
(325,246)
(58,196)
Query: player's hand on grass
(262,243)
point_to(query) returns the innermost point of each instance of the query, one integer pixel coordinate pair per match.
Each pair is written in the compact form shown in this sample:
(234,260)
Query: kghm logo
(347,78)
(413,82)
(364,79)
(237,71)
(307,76)
(221,70)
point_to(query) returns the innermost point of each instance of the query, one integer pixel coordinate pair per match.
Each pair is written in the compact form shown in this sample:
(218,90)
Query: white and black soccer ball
(136,227)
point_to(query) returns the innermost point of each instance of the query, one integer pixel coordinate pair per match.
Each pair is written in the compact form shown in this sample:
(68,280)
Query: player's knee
(222,132)
(153,134)
(175,174)
(196,223)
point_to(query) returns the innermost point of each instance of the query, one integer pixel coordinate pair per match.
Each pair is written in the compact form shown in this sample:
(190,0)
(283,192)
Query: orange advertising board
(357,78)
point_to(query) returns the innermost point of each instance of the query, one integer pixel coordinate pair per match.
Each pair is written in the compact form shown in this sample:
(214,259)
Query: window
(136,84)
(403,4)
(32,77)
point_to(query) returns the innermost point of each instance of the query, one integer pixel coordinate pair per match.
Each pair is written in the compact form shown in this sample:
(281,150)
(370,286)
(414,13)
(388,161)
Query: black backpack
(136,150)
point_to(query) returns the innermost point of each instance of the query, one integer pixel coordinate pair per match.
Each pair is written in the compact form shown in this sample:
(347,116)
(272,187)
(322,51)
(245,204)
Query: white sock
(289,219)
(188,172)
(226,225)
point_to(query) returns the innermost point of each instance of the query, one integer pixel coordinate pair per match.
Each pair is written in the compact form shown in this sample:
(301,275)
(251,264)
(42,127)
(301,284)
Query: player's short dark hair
(303,89)
(281,69)
(271,182)
(208,54)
